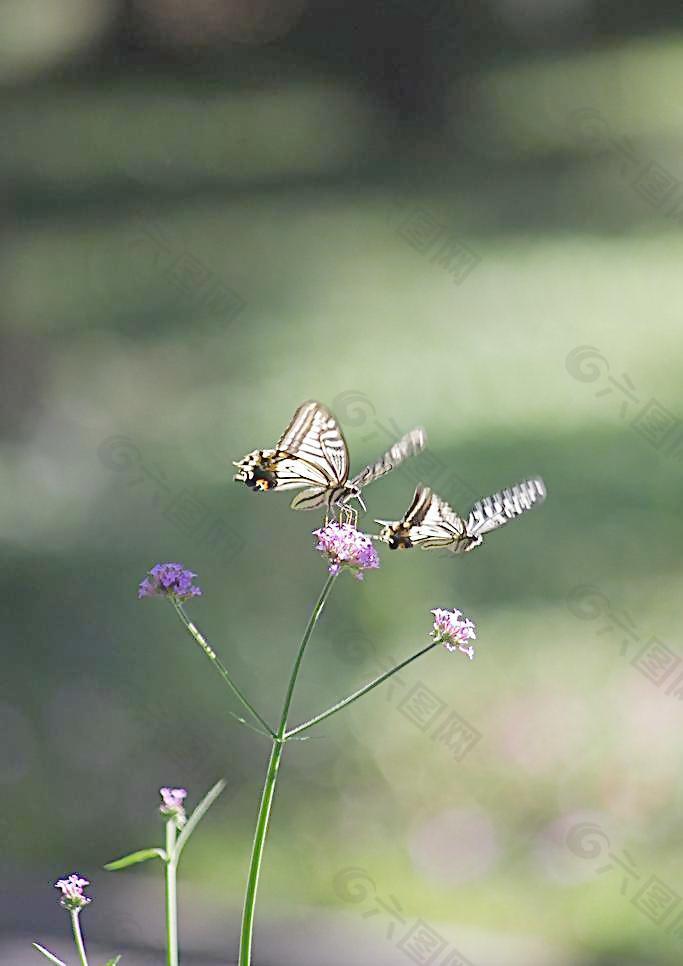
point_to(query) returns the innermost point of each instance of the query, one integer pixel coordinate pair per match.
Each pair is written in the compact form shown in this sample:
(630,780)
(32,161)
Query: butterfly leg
(351,516)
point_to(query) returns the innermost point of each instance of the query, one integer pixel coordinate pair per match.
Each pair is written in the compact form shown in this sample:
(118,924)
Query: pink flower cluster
(344,546)
(172,804)
(454,631)
(72,892)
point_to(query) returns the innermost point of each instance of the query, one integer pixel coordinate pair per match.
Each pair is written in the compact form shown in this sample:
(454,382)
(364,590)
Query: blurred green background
(463,216)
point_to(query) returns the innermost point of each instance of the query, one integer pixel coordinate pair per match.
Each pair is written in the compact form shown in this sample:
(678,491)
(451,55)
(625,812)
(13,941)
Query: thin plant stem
(171,895)
(220,667)
(312,621)
(262,822)
(265,807)
(78,938)
(357,694)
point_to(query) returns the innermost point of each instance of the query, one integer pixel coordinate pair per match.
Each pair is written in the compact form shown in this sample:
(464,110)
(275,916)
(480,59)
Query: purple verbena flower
(346,547)
(454,631)
(172,804)
(72,892)
(169,580)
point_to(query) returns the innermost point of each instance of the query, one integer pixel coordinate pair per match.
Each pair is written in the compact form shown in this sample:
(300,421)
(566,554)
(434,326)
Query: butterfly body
(312,456)
(397,540)
(258,470)
(431,523)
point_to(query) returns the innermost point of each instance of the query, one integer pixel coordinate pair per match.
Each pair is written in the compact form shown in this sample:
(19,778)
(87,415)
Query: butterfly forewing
(498,509)
(418,509)
(408,445)
(433,522)
(314,437)
(429,522)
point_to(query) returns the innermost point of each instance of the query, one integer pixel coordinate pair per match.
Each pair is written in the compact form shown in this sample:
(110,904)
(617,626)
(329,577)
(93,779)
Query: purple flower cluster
(72,892)
(345,546)
(454,631)
(172,804)
(169,580)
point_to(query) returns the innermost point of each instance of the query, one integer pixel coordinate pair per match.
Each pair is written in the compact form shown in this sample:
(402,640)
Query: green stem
(265,807)
(312,621)
(356,694)
(171,896)
(78,938)
(218,664)
(262,823)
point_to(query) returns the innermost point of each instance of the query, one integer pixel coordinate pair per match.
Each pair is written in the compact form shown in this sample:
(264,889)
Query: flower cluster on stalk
(453,631)
(169,580)
(345,546)
(72,897)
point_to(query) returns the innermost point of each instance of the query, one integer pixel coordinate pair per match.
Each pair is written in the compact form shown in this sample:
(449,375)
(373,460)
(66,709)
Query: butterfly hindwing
(292,472)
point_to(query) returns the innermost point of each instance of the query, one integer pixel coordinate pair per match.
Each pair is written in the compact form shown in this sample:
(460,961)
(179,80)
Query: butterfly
(312,453)
(430,522)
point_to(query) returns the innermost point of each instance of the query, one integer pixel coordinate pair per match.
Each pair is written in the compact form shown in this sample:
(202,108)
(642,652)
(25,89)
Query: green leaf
(198,814)
(134,858)
(47,954)
(113,962)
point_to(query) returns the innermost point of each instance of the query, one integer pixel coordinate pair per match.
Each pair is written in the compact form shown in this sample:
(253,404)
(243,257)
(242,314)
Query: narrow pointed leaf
(113,962)
(48,954)
(134,858)
(248,724)
(198,814)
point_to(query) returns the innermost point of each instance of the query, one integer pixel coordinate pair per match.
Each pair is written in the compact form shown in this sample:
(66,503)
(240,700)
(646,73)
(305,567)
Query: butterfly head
(394,534)
(256,471)
(350,491)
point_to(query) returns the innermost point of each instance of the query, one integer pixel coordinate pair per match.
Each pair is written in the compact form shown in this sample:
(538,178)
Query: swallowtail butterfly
(312,453)
(430,522)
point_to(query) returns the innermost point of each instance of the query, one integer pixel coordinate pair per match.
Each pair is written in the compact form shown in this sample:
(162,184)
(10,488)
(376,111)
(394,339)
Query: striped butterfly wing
(314,436)
(498,509)
(430,522)
(312,450)
(312,453)
(408,445)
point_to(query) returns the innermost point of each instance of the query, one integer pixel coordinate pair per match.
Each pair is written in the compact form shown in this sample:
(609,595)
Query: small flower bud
(172,804)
